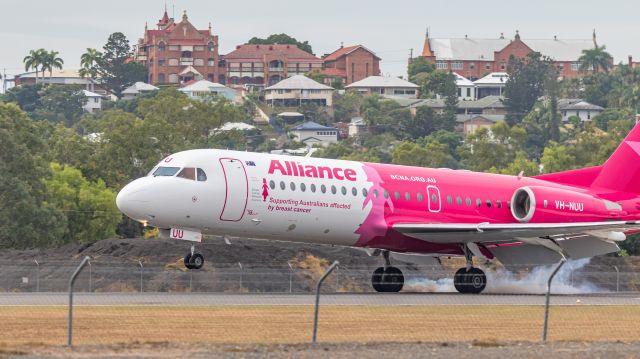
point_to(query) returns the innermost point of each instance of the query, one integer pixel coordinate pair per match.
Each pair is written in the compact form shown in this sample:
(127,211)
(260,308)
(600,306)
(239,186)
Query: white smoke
(503,281)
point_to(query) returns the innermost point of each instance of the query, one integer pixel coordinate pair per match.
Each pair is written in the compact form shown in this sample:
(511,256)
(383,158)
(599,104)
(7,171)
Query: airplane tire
(477,281)
(459,280)
(393,279)
(376,280)
(196,261)
(187,261)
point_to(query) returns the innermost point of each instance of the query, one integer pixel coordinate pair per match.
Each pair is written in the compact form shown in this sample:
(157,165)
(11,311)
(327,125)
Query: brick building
(350,64)
(177,52)
(474,58)
(266,65)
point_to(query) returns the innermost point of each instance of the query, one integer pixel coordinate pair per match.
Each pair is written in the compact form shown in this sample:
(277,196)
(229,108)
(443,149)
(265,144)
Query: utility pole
(4,80)
(411,53)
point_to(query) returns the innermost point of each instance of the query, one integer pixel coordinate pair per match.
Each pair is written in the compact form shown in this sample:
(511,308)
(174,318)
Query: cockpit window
(165,171)
(201,175)
(188,173)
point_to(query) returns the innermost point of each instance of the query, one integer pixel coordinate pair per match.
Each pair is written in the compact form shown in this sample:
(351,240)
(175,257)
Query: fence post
(546,305)
(72,281)
(90,279)
(37,276)
(617,278)
(240,265)
(318,287)
(141,270)
(290,276)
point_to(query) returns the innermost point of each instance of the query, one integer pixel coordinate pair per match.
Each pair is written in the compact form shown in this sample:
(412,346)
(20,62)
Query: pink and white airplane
(387,208)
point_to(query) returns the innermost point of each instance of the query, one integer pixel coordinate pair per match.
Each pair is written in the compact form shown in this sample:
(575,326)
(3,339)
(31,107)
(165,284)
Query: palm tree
(88,62)
(51,61)
(596,59)
(34,60)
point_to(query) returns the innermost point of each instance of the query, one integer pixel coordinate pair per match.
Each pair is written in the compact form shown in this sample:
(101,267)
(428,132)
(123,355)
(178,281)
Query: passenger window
(407,196)
(489,203)
(188,173)
(282,185)
(333,189)
(272,184)
(545,203)
(499,203)
(201,175)
(375,193)
(419,196)
(385,194)
(165,171)
(468,200)
(449,200)
(364,192)
(303,187)
(313,188)
(396,194)
(434,198)
(292,186)
(343,190)
(354,191)
(478,202)
(323,188)
(458,200)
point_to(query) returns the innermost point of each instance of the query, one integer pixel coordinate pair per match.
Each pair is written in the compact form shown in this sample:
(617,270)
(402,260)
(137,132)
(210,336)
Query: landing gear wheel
(472,281)
(196,261)
(376,280)
(187,261)
(387,280)
(393,279)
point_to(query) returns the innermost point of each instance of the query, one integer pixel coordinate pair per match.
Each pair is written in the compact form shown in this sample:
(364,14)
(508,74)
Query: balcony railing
(276,69)
(186,61)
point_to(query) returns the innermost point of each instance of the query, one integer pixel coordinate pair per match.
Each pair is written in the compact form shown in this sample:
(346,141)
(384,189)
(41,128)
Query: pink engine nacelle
(537,204)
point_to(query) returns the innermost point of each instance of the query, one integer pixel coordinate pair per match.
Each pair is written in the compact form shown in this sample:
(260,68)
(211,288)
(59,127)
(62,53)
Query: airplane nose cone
(133,200)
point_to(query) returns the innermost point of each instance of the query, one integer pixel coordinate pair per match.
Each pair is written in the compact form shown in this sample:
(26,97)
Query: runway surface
(396,299)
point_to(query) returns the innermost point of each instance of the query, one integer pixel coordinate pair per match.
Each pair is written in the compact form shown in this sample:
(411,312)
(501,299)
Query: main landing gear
(469,280)
(193,260)
(387,279)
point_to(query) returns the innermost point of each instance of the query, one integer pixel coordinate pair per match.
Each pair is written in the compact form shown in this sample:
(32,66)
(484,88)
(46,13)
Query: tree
(526,84)
(495,148)
(347,105)
(114,66)
(595,59)
(521,164)
(27,97)
(89,206)
(34,60)
(60,104)
(281,39)
(417,66)
(433,155)
(51,61)
(557,158)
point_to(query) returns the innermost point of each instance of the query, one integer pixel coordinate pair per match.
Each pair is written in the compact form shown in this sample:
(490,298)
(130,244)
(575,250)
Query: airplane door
(237,189)
(434,198)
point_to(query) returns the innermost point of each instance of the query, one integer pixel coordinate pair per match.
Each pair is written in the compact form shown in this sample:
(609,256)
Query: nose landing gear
(387,279)
(193,260)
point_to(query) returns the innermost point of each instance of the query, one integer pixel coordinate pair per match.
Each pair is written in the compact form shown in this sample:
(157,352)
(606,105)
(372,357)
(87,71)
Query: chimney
(630,61)
(341,44)
(502,36)
(555,37)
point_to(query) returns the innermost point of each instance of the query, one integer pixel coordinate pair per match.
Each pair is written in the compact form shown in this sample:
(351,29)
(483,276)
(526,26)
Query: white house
(311,133)
(579,108)
(356,126)
(94,101)
(466,88)
(385,86)
(201,89)
(297,90)
(491,85)
(137,89)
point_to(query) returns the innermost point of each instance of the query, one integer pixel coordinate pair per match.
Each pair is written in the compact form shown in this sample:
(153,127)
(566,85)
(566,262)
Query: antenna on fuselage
(520,174)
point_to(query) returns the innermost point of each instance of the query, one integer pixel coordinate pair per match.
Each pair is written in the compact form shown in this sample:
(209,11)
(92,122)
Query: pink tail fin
(621,172)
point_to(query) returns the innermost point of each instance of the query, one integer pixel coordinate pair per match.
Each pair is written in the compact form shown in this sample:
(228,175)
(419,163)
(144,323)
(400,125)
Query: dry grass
(292,324)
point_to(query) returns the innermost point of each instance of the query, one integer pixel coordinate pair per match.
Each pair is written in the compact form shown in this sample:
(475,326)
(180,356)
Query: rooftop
(248,51)
(462,81)
(581,105)
(345,51)
(201,85)
(299,82)
(492,118)
(494,78)
(382,81)
(139,87)
(312,126)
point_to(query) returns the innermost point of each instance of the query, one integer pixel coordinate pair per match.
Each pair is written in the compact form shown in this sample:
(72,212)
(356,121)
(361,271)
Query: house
(202,88)
(473,57)
(297,90)
(60,77)
(385,86)
(466,88)
(350,64)
(468,124)
(311,133)
(491,85)
(357,127)
(579,108)
(94,101)
(177,52)
(490,105)
(266,65)
(137,89)
(291,116)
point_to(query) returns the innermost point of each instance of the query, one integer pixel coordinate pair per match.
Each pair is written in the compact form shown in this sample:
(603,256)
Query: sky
(389,28)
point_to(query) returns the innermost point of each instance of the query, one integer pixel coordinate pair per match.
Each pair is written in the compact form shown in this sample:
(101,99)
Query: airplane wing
(528,243)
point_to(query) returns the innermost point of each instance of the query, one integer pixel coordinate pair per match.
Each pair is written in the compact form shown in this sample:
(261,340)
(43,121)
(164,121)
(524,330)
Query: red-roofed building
(351,64)
(176,53)
(266,65)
